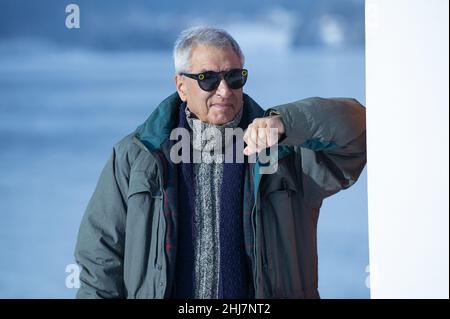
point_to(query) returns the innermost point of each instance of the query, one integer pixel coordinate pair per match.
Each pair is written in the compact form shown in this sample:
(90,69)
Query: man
(156,227)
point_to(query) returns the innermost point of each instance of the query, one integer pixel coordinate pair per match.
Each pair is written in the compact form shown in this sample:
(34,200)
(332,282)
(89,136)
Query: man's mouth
(222,106)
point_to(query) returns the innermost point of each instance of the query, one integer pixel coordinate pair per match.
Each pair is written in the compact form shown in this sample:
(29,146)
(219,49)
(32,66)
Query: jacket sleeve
(101,238)
(329,136)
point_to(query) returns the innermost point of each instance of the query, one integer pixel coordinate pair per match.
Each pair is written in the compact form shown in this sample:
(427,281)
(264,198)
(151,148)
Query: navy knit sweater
(233,272)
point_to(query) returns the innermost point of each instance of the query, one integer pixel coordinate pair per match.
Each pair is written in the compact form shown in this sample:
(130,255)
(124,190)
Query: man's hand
(263,133)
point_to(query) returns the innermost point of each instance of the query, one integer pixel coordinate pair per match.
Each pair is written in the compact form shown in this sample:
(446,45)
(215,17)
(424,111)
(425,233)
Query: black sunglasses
(210,80)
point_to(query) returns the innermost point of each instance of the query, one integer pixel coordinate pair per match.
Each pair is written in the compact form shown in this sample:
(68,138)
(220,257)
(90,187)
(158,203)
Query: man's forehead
(208,58)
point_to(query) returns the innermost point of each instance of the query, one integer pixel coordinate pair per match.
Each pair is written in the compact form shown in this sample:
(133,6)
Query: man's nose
(223,89)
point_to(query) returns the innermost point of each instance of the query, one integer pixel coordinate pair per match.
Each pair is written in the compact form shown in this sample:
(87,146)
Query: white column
(407,97)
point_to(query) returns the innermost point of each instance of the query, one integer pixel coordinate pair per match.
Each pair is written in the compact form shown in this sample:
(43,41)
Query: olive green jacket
(127,239)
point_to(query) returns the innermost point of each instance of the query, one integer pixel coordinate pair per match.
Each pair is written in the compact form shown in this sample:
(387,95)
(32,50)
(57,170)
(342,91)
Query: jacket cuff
(295,132)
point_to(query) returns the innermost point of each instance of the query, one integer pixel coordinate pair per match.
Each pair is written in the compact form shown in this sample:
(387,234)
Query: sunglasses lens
(236,78)
(210,81)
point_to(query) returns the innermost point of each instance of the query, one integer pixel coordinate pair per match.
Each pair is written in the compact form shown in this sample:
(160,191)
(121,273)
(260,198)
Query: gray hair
(190,38)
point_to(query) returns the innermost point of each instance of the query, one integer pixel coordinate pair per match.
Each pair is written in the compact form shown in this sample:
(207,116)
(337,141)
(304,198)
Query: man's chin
(221,117)
(219,121)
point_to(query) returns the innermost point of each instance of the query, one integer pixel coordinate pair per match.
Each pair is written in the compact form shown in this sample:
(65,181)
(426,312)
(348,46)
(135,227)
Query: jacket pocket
(279,247)
(141,182)
(143,232)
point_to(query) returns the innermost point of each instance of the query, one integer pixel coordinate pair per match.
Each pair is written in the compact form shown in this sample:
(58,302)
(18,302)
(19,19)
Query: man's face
(221,105)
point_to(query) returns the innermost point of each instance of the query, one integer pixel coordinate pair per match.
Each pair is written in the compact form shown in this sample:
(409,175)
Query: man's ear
(181,89)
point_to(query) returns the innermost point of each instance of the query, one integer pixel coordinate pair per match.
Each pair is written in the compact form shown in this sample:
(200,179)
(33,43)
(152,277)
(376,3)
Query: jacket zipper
(254,225)
(161,165)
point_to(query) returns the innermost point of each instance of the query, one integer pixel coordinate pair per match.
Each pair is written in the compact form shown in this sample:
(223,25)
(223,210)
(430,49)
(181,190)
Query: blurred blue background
(67,95)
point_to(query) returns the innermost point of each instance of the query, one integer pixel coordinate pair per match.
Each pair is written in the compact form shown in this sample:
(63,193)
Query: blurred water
(60,113)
